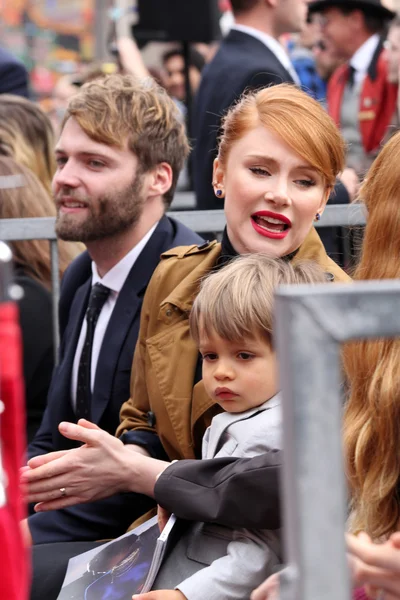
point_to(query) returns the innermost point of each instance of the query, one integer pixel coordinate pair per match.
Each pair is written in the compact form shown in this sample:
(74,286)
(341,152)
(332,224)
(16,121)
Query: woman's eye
(259,171)
(306,183)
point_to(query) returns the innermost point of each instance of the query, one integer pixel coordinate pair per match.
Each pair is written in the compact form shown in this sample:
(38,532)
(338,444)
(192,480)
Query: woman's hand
(268,590)
(161,595)
(85,474)
(376,565)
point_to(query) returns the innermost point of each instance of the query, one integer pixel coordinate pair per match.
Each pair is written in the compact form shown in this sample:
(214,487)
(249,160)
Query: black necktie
(98,296)
(350,79)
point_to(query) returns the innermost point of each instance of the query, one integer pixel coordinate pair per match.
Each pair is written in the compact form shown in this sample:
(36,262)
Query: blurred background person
(392,51)
(249,57)
(326,62)
(23,196)
(13,75)
(304,60)
(173,63)
(26,134)
(360,99)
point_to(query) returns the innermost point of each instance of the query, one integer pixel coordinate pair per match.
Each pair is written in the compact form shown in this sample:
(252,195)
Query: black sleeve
(235,492)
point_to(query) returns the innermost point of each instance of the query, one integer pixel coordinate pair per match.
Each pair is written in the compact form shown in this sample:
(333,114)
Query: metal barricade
(311,323)
(341,215)
(38,229)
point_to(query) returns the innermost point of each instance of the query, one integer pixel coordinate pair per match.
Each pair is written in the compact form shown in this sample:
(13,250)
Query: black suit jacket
(241,63)
(235,492)
(111,517)
(13,75)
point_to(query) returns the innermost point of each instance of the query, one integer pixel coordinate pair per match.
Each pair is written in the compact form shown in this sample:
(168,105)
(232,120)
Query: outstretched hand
(85,474)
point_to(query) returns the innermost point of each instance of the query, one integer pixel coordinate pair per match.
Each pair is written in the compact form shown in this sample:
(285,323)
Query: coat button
(151,419)
(329,277)
(203,246)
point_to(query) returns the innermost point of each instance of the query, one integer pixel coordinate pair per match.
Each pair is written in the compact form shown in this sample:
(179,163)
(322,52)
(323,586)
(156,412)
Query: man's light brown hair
(237,302)
(120,108)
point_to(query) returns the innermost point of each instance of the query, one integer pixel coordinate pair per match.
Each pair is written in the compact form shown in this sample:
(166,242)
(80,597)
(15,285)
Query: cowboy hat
(373,7)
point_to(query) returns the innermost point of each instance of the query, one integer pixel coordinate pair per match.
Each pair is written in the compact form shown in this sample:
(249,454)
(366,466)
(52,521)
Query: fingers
(58,503)
(383,556)
(46,489)
(88,424)
(43,459)
(268,590)
(87,435)
(54,468)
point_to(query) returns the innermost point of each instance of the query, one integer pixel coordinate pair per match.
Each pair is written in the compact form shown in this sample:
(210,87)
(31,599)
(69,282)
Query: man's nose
(66,176)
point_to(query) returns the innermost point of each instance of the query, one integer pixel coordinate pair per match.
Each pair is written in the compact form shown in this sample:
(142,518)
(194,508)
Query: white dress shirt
(276,48)
(113,279)
(362,58)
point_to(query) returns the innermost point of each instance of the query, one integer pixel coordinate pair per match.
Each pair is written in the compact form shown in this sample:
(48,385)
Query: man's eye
(96,164)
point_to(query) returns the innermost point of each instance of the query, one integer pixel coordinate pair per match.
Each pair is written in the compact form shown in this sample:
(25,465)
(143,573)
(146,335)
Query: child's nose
(223,371)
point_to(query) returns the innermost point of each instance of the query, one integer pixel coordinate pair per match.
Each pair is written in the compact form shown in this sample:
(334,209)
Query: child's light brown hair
(237,301)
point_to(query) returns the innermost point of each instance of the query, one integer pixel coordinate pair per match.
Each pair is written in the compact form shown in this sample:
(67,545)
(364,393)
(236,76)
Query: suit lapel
(126,310)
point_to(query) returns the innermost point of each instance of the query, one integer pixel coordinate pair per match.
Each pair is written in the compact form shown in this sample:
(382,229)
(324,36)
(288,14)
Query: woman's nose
(278,193)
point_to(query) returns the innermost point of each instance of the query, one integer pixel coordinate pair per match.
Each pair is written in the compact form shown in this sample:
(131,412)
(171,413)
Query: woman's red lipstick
(264,222)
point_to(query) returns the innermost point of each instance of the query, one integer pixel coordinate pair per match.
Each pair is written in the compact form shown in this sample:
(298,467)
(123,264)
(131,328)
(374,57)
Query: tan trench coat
(165,357)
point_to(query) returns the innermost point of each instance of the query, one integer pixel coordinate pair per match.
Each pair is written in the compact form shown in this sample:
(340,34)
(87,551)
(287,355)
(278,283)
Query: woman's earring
(218,193)
(317,217)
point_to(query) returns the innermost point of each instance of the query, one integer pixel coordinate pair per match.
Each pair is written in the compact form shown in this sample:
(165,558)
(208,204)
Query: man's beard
(115,213)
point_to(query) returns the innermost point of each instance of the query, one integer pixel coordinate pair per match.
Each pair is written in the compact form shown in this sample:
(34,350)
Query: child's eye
(210,356)
(245,355)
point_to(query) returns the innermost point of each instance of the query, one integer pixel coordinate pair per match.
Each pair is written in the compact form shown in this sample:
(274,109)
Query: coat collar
(185,293)
(224,420)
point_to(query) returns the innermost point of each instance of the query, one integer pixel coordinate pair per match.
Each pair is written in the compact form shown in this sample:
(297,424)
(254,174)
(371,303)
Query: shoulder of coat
(183,251)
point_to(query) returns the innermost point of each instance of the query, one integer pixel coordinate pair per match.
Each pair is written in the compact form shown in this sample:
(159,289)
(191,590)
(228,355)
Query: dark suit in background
(110,517)
(35,310)
(242,62)
(13,75)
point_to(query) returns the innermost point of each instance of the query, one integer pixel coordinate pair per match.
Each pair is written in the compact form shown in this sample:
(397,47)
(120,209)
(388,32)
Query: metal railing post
(311,323)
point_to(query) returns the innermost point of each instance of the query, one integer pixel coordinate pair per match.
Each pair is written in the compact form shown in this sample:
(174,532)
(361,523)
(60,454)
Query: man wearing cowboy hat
(360,98)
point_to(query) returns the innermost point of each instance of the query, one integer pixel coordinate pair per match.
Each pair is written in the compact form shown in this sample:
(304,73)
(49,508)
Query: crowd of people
(164,362)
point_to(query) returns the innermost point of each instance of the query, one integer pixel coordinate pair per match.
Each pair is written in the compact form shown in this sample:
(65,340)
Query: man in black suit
(121,148)
(13,75)
(250,57)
